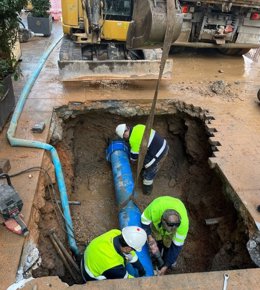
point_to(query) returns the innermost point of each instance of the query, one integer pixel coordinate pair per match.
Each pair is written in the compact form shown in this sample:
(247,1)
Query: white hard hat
(120,130)
(135,237)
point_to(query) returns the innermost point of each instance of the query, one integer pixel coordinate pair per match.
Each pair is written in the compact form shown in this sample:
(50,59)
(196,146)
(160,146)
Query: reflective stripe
(180,237)
(150,163)
(91,274)
(178,243)
(158,154)
(161,150)
(145,220)
(147,182)
(151,137)
(126,275)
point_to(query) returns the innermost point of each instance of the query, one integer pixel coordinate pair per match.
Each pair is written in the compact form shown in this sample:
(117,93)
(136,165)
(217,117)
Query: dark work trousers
(150,172)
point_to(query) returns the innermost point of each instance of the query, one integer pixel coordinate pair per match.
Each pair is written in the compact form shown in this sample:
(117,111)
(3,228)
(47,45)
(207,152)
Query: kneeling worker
(166,223)
(106,256)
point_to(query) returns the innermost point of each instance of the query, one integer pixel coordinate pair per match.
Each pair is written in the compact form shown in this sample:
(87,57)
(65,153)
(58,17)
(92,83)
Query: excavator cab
(107,19)
(118,10)
(113,39)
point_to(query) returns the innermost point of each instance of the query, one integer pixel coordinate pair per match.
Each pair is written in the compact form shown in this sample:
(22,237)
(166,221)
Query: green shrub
(40,8)
(5,68)
(9,24)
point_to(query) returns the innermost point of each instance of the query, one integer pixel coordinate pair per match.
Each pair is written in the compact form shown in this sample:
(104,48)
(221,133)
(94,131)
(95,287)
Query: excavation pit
(81,133)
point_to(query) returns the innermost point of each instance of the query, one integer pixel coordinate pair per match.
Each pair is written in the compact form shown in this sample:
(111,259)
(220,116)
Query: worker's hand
(153,245)
(151,239)
(162,271)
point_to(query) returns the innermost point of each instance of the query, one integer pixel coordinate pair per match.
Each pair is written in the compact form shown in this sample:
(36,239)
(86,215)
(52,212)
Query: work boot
(147,189)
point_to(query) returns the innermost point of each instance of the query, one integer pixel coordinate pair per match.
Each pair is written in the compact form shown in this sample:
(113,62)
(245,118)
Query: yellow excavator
(115,39)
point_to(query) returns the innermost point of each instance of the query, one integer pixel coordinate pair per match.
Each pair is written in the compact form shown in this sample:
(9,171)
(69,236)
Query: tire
(234,51)
(258,94)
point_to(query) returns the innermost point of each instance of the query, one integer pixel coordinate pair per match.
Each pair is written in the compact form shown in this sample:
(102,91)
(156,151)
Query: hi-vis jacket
(101,256)
(156,144)
(153,214)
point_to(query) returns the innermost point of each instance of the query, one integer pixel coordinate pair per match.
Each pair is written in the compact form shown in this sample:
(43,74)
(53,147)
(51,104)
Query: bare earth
(225,87)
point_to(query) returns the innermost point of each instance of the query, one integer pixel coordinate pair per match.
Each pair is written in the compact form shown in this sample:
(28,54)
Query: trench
(186,174)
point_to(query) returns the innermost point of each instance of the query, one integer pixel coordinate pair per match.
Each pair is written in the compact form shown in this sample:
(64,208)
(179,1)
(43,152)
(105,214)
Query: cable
(51,189)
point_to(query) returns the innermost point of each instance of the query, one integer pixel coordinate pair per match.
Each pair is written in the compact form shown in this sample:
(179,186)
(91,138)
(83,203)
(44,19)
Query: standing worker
(156,152)
(105,257)
(166,223)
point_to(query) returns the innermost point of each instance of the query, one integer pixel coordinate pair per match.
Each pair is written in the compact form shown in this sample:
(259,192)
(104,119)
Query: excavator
(115,39)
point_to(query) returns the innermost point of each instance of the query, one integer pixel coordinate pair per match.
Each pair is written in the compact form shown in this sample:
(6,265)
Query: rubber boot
(147,189)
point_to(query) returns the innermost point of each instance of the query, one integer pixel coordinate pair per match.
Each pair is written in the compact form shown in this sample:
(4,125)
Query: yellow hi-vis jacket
(156,145)
(101,255)
(153,214)
(136,136)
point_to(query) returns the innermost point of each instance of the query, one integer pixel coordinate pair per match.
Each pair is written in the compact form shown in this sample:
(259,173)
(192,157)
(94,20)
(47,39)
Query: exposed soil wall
(185,174)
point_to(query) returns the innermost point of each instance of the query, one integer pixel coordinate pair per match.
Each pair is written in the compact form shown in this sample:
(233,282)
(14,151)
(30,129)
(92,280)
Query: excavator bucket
(148,26)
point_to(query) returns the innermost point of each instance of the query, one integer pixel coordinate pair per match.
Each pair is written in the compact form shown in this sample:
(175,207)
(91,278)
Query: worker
(106,256)
(156,152)
(166,223)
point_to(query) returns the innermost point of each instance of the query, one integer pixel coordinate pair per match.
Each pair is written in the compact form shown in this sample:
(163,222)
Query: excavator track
(74,65)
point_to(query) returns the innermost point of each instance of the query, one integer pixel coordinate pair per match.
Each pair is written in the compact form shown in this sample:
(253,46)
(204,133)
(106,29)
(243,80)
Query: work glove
(159,260)
(154,249)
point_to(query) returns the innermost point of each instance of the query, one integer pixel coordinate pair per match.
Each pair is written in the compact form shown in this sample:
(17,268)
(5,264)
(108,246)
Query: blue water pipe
(118,154)
(36,144)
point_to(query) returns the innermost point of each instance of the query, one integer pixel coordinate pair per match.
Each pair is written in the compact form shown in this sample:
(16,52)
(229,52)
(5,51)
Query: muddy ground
(185,174)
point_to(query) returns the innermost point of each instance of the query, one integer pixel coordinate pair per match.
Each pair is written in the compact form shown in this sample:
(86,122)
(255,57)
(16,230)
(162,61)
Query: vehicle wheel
(258,94)
(234,51)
